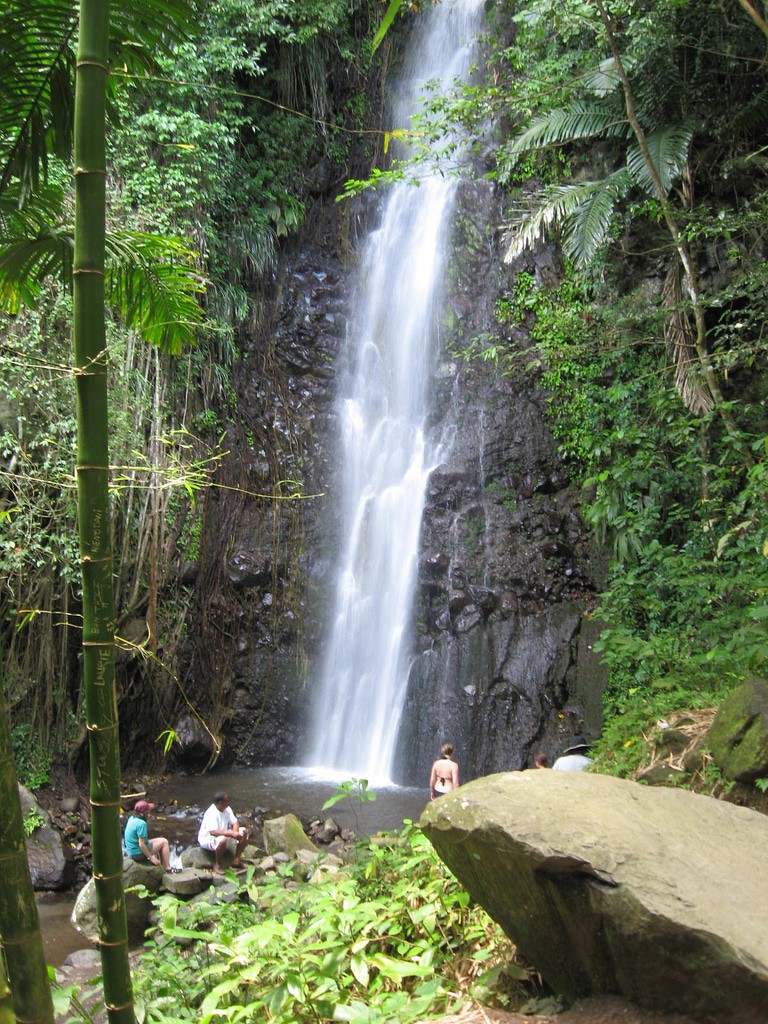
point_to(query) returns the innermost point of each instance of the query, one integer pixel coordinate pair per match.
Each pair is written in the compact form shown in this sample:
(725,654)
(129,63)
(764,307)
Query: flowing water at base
(301,791)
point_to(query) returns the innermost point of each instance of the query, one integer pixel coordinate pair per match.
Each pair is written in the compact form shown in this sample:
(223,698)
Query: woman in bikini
(445,773)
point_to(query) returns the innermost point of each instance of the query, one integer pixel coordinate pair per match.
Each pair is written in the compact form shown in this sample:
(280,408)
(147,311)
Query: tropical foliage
(392,937)
(656,366)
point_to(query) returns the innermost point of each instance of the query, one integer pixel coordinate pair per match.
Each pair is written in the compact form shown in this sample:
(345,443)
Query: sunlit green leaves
(360,946)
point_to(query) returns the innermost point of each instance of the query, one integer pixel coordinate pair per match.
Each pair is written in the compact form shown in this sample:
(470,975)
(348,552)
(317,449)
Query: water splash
(387,457)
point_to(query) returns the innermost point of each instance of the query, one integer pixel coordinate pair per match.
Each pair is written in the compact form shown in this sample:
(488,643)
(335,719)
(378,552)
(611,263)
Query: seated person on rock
(219,830)
(138,845)
(574,758)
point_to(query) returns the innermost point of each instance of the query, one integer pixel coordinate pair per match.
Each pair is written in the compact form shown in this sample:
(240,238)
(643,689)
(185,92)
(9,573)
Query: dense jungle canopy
(633,133)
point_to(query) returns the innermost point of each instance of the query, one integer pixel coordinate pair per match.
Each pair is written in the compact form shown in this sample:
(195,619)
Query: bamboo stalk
(92,473)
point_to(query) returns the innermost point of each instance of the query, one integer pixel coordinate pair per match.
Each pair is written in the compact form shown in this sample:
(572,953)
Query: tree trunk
(93,506)
(22,942)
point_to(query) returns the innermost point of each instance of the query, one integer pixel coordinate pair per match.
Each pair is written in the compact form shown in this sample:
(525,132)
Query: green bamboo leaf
(387,20)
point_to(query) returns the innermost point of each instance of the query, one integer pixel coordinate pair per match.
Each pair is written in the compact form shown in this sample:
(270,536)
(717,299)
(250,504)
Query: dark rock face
(507,569)
(607,886)
(51,865)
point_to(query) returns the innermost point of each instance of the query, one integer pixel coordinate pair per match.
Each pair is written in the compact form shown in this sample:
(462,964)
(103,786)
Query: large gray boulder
(738,737)
(137,908)
(607,886)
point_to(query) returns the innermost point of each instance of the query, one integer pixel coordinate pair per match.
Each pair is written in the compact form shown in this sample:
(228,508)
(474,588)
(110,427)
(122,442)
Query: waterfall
(386,454)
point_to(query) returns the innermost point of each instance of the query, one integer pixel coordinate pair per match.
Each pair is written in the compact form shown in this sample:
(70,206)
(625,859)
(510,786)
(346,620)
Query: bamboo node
(125,1006)
(107,878)
(88,270)
(91,170)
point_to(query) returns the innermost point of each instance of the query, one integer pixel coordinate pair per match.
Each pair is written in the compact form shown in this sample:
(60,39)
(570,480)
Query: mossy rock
(738,738)
(285,835)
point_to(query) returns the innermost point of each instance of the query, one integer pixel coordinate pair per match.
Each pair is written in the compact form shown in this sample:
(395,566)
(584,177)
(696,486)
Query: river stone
(84,916)
(285,835)
(738,737)
(51,865)
(610,887)
(184,884)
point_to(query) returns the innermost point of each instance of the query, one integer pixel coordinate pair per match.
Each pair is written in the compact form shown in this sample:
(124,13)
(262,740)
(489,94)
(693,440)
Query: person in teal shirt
(139,846)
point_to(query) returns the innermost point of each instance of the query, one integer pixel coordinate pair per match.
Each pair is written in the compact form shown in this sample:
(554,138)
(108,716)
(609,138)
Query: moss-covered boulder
(738,738)
(610,887)
(285,835)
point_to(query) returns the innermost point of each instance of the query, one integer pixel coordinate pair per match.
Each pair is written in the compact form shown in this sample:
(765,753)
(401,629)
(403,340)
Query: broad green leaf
(359,968)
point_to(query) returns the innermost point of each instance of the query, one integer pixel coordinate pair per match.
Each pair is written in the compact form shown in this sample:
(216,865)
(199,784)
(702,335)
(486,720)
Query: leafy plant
(351,789)
(392,937)
(33,820)
(354,791)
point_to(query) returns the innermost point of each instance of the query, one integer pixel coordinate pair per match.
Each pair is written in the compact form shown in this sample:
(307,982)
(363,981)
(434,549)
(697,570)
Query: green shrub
(393,937)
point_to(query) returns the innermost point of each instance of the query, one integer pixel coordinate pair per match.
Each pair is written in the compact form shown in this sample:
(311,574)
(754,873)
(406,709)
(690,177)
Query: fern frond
(669,151)
(586,230)
(567,124)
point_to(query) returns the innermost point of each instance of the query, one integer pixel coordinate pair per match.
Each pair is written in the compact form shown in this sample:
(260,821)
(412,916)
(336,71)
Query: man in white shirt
(219,829)
(574,758)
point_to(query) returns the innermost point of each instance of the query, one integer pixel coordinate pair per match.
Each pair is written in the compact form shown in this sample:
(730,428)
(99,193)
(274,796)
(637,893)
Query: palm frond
(25,261)
(36,67)
(586,230)
(604,80)
(679,342)
(669,151)
(27,220)
(558,204)
(37,40)
(567,124)
(152,284)
(151,281)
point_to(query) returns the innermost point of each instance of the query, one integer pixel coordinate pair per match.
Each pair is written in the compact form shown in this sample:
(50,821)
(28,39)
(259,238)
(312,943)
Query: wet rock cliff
(502,660)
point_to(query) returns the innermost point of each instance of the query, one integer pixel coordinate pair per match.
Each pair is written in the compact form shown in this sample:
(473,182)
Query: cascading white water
(386,456)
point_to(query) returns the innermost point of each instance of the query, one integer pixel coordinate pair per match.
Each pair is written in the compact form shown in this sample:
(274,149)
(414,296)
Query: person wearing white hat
(573,758)
(139,846)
